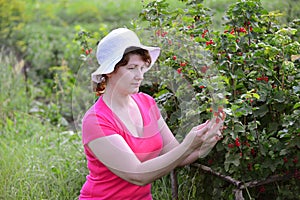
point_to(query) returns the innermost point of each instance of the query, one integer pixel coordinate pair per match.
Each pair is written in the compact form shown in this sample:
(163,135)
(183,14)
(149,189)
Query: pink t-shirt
(99,121)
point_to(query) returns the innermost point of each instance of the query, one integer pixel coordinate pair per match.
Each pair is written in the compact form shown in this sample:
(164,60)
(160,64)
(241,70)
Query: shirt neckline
(121,122)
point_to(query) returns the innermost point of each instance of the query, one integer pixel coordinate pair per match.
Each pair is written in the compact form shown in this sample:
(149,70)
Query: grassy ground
(37,159)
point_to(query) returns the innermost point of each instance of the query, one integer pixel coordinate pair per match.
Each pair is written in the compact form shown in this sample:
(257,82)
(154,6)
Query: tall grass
(37,159)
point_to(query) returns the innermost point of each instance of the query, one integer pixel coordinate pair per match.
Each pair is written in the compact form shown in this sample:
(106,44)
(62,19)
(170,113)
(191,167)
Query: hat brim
(109,66)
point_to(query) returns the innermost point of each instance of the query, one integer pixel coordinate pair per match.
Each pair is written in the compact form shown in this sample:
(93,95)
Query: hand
(212,136)
(208,145)
(195,138)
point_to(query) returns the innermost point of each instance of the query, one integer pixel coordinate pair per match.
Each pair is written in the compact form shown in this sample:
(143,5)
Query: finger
(206,147)
(204,129)
(222,116)
(213,130)
(218,137)
(202,125)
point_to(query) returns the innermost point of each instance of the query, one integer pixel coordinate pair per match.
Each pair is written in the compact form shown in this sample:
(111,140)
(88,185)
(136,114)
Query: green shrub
(250,70)
(12,20)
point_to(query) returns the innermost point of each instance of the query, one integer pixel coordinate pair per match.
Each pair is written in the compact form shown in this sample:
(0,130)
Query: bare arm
(114,152)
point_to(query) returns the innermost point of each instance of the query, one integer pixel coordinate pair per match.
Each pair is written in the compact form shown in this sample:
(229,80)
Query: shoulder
(98,122)
(97,113)
(144,97)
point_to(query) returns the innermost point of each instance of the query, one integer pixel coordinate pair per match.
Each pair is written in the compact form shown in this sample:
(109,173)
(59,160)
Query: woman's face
(127,79)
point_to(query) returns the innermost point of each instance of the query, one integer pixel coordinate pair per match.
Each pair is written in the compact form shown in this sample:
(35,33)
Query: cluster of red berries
(295,160)
(219,115)
(253,152)
(262,189)
(190,26)
(179,70)
(204,33)
(87,51)
(263,78)
(241,30)
(237,143)
(246,24)
(210,42)
(181,64)
(161,33)
(231,32)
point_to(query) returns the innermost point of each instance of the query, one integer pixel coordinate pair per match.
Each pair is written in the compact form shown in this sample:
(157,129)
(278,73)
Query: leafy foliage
(257,81)
(11,19)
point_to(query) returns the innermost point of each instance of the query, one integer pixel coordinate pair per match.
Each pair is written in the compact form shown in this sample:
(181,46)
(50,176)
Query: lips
(136,84)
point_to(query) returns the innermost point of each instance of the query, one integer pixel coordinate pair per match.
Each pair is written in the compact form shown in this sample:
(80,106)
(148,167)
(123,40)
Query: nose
(139,75)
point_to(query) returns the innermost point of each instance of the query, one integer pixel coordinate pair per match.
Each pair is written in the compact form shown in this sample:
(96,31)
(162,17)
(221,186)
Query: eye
(144,67)
(131,67)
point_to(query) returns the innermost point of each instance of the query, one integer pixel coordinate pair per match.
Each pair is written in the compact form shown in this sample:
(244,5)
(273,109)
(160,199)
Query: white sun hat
(112,47)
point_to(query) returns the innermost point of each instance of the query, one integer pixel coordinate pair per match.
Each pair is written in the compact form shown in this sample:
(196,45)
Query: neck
(116,100)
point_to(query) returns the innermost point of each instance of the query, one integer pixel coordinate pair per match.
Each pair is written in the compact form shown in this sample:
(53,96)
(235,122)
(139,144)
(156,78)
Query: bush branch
(250,184)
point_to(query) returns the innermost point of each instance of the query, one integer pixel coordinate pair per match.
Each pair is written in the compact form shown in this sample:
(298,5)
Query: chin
(135,91)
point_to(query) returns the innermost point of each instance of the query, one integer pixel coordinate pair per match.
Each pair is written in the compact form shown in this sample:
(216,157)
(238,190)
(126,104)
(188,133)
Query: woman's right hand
(203,133)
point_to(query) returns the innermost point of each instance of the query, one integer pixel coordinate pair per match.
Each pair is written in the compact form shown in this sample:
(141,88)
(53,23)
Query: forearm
(148,171)
(190,159)
(114,152)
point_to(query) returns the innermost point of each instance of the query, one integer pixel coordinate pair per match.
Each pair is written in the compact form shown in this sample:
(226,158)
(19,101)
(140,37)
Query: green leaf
(283,152)
(255,95)
(296,89)
(288,30)
(296,142)
(261,111)
(263,150)
(239,127)
(231,158)
(297,105)
(279,96)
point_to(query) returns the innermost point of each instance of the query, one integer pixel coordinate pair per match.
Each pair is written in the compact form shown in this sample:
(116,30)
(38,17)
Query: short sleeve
(155,109)
(94,126)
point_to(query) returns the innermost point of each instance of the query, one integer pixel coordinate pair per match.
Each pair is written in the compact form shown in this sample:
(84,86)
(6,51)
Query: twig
(240,185)
(274,178)
(217,174)
(174,184)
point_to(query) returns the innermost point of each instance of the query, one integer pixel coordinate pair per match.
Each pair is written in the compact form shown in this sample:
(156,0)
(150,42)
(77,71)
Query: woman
(127,143)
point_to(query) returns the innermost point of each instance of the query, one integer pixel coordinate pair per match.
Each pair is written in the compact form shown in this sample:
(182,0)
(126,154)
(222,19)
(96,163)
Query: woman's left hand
(208,145)
(213,135)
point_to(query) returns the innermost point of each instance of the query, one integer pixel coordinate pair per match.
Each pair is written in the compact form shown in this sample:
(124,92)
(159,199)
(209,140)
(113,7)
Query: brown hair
(99,88)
